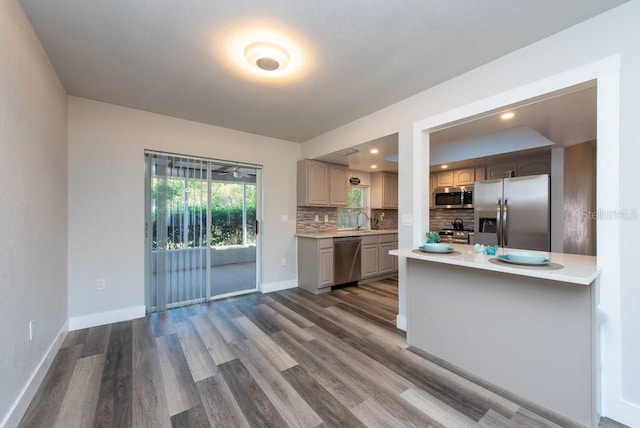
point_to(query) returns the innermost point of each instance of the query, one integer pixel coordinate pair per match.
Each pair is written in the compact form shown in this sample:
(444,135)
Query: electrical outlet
(326,218)
(101,284)
(317,218)
(31,330)
(284,261)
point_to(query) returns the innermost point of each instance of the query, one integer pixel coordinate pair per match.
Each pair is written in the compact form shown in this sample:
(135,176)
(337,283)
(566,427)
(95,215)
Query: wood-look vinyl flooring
(287,358)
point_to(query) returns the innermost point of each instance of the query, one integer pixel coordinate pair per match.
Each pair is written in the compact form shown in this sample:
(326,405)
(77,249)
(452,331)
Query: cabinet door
(444,179)
(370,260)
(313,183)
(480,174)
(463,177)
(325,267)
(386,260)
(534,166)
(501,170)
(389,190)
(338,186)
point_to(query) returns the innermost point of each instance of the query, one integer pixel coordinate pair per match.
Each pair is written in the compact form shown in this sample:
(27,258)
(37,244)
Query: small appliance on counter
(458,224)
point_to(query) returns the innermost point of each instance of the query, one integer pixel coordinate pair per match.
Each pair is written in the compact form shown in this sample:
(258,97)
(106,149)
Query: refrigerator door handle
(499,222)
(505,234)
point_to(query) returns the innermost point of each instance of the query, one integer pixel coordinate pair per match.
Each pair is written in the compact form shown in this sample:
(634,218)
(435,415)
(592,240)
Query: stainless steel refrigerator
(513,212)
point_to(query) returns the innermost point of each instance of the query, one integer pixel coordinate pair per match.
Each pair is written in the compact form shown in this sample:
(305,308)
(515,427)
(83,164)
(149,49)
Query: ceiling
(355,57)
(562,118)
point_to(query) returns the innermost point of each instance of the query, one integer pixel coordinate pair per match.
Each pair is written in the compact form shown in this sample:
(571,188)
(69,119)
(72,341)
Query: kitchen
(473,152)
(456,213)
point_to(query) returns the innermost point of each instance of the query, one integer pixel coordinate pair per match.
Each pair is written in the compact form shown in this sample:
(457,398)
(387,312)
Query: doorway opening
(201,229)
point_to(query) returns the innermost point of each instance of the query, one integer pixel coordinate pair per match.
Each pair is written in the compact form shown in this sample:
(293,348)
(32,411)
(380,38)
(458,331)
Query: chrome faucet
(366,218)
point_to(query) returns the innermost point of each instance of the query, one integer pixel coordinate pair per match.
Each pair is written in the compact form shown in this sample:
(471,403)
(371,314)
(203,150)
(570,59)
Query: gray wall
(106,188)
(33,207)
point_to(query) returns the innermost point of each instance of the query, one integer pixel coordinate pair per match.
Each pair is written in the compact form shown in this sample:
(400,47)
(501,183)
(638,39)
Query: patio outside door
(200,232)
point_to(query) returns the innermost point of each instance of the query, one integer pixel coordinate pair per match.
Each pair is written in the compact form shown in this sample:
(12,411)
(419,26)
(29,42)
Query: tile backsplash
(306,219)
(442,219)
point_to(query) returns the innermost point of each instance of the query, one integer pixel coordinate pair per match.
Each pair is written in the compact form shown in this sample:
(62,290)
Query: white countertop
(575,269)
(341,233)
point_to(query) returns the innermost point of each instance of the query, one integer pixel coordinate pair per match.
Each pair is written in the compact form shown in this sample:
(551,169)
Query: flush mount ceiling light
(374,166)
(507,116)
(267,56)
(374,151)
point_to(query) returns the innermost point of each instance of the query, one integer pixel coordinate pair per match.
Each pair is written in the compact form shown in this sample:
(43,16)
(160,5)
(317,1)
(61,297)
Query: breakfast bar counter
(570,268)
(529,329)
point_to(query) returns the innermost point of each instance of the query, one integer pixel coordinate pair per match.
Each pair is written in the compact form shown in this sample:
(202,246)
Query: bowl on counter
(526,257)
(433,247)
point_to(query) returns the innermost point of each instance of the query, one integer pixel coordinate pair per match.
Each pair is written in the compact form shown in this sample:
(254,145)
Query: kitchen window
(356,213)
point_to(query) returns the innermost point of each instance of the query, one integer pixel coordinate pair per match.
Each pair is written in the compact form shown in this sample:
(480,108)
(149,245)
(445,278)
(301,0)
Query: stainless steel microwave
(452,197)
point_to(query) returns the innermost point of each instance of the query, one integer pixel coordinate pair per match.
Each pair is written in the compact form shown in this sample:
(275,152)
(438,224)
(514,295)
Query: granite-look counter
(343,233)
(569,268)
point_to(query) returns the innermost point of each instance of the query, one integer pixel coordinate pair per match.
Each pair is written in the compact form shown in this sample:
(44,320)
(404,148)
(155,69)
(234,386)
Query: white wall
(33,210)
(106,199)
(612,33)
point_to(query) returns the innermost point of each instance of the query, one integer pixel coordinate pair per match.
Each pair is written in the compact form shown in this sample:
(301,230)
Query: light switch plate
(284,218)
(407,220)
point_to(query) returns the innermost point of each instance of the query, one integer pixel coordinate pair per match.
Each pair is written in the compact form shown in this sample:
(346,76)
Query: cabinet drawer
(387,238)
(369,240)
(325,243)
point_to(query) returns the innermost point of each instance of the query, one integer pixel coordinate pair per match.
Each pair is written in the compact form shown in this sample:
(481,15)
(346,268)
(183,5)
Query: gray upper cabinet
(384,190)
(444,179)
(534,166)
(463,177)
(338,185)
(321,184)
(501,170)
(521,166)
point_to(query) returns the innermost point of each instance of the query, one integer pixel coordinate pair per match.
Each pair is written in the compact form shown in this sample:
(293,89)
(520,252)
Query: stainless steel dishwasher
(346,259)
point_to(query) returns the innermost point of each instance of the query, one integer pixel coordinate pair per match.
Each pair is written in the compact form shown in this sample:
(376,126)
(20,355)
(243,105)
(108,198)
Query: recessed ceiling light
(349,151)
(444,166)
(374,166)
(507,116)
(267,56)
(374,151)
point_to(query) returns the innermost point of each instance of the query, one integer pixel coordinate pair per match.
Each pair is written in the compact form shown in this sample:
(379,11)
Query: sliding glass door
(201,222)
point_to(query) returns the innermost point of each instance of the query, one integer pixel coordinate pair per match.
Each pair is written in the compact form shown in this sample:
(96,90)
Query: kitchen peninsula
(528,329)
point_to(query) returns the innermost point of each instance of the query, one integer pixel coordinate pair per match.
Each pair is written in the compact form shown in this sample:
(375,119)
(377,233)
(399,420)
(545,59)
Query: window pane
(354,214)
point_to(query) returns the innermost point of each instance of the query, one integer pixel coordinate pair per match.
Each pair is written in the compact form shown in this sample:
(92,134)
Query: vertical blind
(179,226)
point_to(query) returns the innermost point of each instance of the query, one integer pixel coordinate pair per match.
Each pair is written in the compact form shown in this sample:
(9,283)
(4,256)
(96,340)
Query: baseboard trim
(270,287)
(401,322)
(16,412)
(102,318)
(624,412)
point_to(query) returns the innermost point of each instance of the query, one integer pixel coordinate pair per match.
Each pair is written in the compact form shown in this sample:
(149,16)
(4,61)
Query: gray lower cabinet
(370,256)
(387,263)
(376,261)
(316,260)
(315,264)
